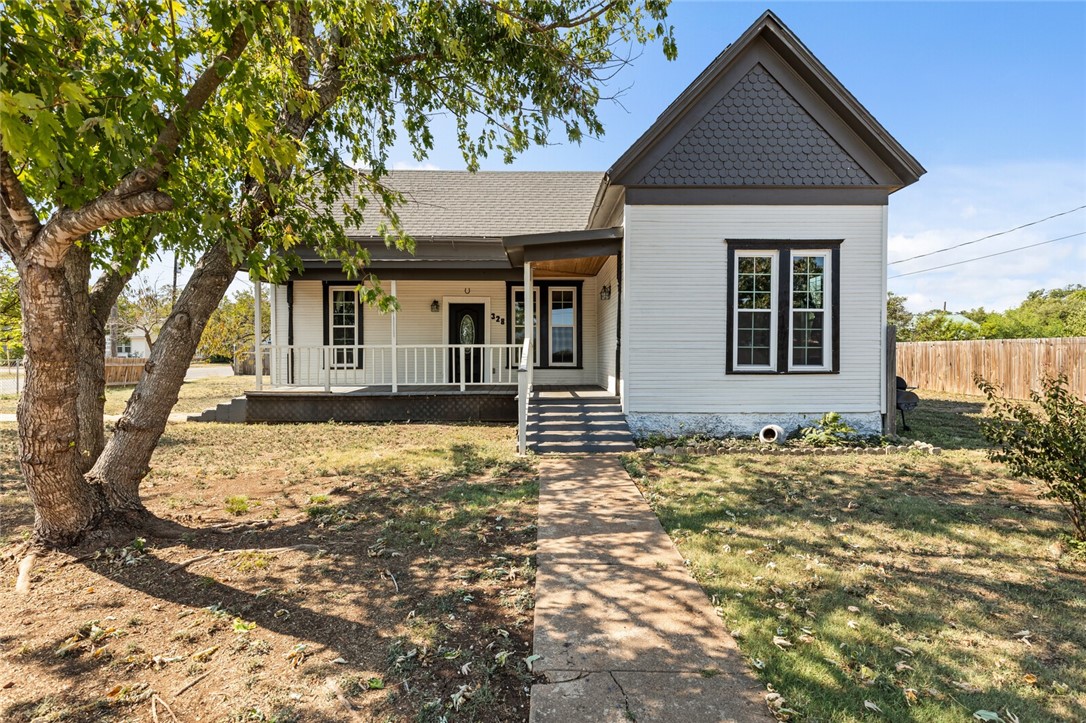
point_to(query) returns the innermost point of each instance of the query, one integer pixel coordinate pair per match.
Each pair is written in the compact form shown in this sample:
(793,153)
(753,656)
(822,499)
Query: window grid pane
(344,323)
(754,304)
(808,316)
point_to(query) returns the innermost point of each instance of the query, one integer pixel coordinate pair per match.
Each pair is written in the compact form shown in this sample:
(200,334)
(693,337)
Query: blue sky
(990,98)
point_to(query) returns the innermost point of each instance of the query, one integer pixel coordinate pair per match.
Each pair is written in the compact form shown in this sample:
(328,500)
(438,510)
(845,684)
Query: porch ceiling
(589,266)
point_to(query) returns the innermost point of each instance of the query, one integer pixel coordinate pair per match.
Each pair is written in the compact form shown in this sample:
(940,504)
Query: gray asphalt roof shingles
(490,203)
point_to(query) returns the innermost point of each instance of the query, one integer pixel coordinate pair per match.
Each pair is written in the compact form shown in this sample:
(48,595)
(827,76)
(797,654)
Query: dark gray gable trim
(895,167)
(770,196)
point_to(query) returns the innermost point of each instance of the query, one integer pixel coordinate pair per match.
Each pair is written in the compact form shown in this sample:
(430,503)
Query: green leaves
(1045,440)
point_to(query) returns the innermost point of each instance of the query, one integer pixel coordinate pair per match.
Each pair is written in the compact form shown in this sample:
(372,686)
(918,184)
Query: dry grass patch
(194,396)
(388,575)
(929,587)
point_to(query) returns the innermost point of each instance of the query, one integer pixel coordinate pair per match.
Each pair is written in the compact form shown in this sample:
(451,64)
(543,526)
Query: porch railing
(451,365)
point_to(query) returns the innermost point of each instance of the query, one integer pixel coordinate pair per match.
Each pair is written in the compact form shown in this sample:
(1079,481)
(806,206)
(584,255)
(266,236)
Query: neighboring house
(727,272)
(133,344)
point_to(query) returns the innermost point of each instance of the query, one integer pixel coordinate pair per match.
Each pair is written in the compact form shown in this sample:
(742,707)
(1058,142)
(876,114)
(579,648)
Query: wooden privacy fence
(122,371)
(1016,365)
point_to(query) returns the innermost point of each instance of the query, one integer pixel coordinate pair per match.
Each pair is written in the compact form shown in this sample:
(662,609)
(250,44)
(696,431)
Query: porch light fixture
(605,293)
(435,306)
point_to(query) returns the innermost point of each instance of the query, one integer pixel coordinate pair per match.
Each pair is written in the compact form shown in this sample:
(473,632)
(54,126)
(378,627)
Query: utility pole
(173,293)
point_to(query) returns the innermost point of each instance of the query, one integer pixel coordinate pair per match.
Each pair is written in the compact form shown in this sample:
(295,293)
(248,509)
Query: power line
(985,238)
(988,256)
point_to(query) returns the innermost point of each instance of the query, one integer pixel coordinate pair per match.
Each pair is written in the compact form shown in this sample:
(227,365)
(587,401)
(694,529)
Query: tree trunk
(126,459)
(89,337)
(65,506)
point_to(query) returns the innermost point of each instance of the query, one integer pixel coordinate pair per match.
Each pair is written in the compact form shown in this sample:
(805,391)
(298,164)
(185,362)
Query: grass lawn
(386,573)
(924,587)
(195,396)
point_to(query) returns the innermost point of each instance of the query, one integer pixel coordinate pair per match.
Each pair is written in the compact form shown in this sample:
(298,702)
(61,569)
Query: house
(727,272)
(132,344)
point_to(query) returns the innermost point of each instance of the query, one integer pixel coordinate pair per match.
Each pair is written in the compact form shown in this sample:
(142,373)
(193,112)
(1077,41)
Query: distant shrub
(829,431)
(1043,439)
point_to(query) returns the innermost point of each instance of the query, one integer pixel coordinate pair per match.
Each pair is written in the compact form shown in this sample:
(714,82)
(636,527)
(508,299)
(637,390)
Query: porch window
(343,327)
(563,328)
(782,306)
(518,322)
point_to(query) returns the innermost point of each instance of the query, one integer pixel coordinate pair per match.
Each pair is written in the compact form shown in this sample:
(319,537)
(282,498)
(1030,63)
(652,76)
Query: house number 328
(499,319)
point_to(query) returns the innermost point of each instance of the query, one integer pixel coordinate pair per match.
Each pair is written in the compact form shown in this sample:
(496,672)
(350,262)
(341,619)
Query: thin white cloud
(954,205)
(413,166)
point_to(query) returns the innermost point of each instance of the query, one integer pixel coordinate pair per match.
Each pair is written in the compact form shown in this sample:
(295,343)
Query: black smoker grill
(906,400)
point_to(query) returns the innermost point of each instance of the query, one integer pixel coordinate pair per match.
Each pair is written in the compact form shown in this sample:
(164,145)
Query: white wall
(674,321)
(607,325)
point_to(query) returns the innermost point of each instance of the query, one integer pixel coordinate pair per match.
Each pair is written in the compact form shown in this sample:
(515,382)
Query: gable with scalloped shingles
(757,135)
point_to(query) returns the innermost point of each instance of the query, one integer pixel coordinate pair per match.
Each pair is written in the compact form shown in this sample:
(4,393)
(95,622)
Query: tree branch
(135,195)
(106,290)
(18,217)
(66,226)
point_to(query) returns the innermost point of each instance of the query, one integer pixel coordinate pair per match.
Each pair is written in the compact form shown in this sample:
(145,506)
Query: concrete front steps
(232,411)
(565,425)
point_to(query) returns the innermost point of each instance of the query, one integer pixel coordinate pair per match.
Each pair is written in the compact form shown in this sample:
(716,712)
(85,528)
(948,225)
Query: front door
(466,327)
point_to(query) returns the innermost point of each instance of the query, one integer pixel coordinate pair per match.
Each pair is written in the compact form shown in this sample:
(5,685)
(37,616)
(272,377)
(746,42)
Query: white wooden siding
(607,323)
(674,321)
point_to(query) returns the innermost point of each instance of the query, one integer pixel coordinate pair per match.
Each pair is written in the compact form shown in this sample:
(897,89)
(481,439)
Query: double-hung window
(755,317)
(782,306)
(343,327)
(810,309)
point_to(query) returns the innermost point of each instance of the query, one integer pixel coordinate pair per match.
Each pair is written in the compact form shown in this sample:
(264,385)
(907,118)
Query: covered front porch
(458,346)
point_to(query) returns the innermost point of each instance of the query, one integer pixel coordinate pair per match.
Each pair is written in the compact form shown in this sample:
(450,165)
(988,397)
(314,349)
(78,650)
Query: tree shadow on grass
(369,558)
(911,562)
(946,423)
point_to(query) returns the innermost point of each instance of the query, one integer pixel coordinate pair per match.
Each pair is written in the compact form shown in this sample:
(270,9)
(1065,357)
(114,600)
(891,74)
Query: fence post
(890,422)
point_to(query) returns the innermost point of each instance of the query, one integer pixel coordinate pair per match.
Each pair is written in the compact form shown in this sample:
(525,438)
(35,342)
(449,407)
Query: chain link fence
(12,375)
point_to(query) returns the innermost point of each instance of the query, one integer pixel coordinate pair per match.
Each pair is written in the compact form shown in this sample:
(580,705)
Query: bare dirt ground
(380,573)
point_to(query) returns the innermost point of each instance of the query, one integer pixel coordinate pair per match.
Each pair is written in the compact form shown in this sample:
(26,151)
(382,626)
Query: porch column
(395,359)
(258,360)
(529,313)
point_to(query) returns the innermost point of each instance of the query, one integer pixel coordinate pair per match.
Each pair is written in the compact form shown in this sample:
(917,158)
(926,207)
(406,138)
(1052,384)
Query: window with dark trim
(343,326)
(783,306)
(558,312)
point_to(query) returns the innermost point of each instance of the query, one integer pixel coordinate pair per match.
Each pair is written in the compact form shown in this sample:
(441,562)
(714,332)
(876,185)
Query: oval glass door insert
(467,330)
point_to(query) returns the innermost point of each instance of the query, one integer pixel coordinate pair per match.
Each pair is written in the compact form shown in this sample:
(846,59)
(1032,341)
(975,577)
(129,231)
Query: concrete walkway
(622,630)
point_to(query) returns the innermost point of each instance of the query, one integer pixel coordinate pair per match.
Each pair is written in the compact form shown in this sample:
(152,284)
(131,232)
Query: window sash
(518,322)
(563,326)
(343,327)
(755,311)
(809,315)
